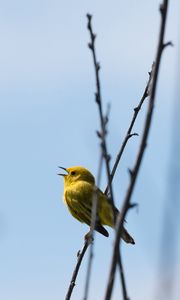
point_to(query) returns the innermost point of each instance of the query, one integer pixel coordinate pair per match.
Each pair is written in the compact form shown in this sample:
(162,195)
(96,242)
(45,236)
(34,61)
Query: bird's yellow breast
(79,197)
(80,191)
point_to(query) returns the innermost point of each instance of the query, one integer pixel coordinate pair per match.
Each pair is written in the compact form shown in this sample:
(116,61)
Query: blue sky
(48,118)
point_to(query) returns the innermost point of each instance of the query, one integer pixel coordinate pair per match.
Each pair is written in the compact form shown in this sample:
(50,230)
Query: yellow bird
(79,187)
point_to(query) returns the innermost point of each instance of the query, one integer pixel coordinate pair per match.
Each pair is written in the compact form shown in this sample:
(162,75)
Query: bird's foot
(89,237)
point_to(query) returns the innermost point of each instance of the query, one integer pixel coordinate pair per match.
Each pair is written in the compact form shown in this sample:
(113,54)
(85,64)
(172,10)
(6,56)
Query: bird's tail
(125,234)
(127,237)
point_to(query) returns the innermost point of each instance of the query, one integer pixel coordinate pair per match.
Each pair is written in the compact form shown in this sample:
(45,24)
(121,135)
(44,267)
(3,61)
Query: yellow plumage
(79,187)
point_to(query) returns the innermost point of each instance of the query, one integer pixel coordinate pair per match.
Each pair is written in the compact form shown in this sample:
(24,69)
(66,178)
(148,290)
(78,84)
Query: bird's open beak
(60,174)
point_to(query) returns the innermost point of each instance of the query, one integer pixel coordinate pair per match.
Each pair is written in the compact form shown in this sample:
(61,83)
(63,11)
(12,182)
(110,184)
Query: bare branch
(102,135)
(121,217)
(122,277)
(129,133)
(104,154)
(92,227)
(98,100)
(75,272)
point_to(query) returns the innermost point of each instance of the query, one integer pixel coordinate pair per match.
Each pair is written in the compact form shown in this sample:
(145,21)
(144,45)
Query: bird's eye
(73,173)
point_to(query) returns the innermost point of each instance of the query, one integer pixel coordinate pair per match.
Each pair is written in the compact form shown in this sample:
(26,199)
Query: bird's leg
(88,237)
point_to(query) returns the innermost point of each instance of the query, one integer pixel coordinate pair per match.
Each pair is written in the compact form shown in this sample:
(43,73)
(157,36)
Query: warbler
(79,187)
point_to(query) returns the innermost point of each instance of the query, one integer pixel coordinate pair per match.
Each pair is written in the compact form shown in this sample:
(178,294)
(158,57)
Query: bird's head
(75,174)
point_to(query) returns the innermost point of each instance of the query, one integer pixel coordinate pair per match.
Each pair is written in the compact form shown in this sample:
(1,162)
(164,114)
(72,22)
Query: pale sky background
(48,117)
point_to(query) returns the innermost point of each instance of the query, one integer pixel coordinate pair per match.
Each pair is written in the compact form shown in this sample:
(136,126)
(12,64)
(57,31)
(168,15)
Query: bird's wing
(87,215)
(109,206)
(75,208)
(80,207)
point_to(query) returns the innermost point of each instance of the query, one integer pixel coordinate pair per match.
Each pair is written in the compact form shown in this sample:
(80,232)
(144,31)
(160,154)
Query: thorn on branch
(97,98)
(135,134)
(93,37)
(106,119)
(98,67)
(78,253)
(161,8)
(89,17)
(130,172)
(90,46)
(132,205)
(168,44)
(146,93)
(132,134)
(73,284)
(136,109)
(99,134)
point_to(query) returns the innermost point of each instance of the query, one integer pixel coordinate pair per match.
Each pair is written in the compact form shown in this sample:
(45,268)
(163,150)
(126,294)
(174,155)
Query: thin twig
(135,170)
(103,133)
(92,227)
(103,120)
(122,277)
(75,272)
(129,133)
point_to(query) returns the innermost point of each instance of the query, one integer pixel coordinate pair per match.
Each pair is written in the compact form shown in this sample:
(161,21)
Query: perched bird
(79,187)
